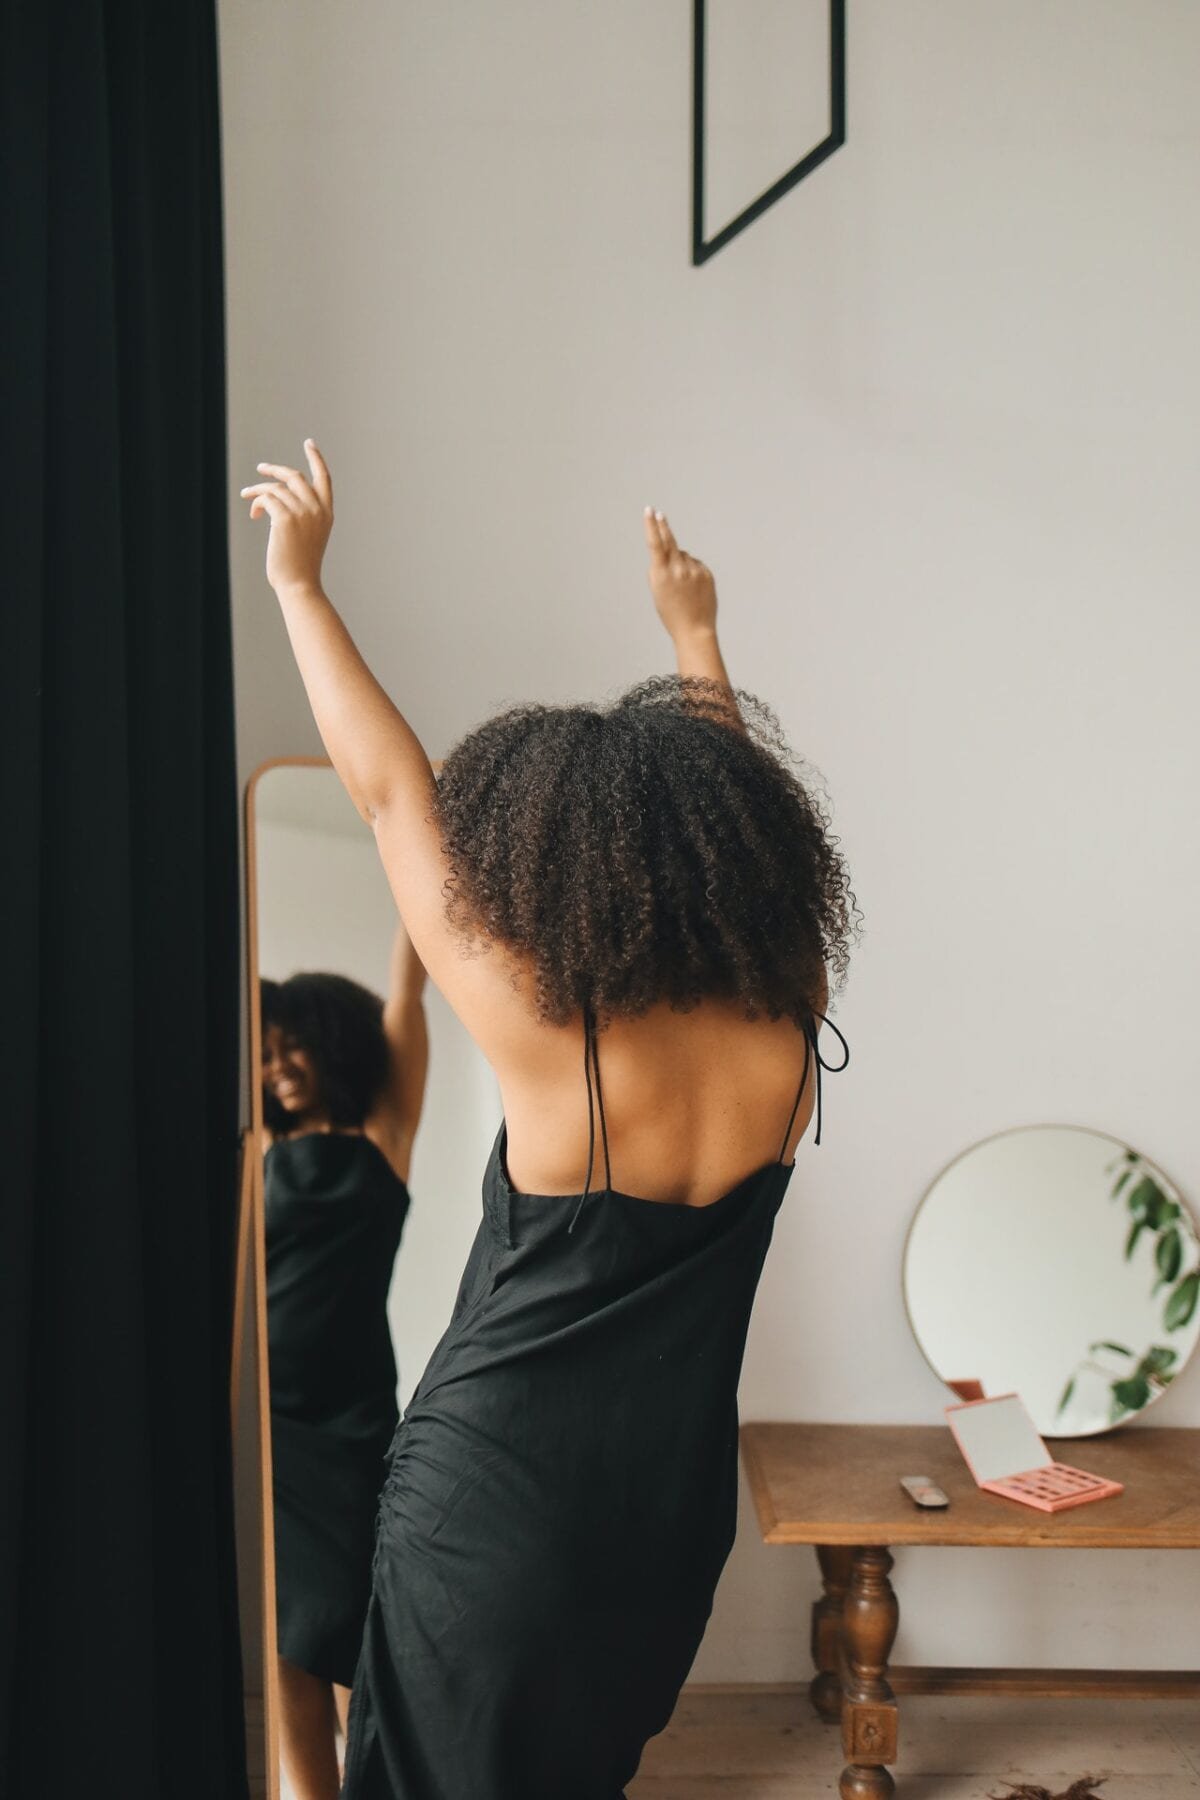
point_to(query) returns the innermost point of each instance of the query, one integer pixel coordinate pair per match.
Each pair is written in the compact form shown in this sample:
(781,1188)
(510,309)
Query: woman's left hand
(684,591)
(301,515)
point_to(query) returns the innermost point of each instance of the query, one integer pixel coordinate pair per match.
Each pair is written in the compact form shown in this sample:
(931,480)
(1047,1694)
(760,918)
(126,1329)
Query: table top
(840,1484)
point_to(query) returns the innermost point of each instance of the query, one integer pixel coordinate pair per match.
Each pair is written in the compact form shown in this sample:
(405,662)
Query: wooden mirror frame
(250,1294)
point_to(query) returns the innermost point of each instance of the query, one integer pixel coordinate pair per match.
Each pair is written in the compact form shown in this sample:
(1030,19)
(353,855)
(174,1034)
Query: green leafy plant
(1152,1212)
(1131,1388)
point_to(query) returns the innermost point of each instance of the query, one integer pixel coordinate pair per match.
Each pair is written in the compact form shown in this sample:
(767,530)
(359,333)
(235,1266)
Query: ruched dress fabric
(335,1210)
(561,1498)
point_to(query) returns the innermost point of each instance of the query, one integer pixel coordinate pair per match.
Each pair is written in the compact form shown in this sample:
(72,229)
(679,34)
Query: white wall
(932,419)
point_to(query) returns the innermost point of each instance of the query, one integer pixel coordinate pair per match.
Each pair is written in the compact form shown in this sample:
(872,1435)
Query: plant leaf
(1121,1182)
(1066,1395)
(1139,1197)
(1181,1303)
(1106,1344)
(1135,1232)
(1168,1254)
(1149,1201)
(1157,1358)
(1132,1394)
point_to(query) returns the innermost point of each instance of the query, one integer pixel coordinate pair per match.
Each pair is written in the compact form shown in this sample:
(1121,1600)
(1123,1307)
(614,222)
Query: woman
(343,1083)
(632,909)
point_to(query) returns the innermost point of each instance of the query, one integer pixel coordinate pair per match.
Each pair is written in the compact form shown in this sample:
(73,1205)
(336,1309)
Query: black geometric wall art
(703,248)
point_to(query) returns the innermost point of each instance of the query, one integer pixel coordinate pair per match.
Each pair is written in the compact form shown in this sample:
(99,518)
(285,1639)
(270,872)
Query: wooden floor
(766,1744)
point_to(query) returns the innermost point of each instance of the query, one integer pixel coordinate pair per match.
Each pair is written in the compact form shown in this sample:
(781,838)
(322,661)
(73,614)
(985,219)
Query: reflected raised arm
(407,1034)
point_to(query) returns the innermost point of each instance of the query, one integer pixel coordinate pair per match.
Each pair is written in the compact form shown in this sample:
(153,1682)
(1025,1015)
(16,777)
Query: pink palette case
(1007,1457)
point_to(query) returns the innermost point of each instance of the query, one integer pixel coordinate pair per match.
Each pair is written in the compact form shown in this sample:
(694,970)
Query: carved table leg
(869,1624)
(825,1689)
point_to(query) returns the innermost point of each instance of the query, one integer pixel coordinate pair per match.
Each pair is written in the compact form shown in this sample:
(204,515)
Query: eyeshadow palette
(1007,1457)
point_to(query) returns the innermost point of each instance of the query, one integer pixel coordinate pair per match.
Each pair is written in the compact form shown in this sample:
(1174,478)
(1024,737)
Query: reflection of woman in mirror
(343,1081)
(657,900)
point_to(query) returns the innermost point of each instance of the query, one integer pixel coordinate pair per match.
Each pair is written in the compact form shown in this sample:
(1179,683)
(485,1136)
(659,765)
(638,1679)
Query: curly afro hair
(340,1026)
(647,851)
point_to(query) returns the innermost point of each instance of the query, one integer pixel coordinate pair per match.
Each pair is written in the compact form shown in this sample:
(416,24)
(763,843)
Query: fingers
(666,536)
(653,537)
(287,499)
(272,505)
(660,539)
(292,479)
(321,479)
(306,496)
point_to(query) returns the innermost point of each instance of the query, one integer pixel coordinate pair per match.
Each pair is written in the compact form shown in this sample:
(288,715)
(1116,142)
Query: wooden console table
(836,1487)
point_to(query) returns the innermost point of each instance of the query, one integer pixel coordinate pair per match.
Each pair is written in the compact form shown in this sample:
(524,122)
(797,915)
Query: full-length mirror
(341,1015)
(1059,1264)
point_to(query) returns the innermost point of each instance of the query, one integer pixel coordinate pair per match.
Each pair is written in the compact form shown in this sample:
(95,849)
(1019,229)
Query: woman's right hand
(685,593)
(300,509)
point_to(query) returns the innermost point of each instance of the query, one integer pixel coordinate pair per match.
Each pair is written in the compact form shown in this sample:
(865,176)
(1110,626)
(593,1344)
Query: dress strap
(813,1058)
(595,1097)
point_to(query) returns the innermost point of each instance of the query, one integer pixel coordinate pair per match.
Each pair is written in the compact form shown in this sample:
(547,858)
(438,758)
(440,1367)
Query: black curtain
(119,1660)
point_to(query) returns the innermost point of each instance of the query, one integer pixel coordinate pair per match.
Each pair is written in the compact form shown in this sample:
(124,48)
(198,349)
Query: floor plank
(1183,1725)
(766,1744)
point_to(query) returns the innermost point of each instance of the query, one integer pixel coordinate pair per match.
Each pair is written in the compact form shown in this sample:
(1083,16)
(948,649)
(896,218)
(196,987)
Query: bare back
(693,1103)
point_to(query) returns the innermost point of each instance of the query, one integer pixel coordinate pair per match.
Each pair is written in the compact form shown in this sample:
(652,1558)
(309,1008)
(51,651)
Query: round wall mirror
(1058,1264)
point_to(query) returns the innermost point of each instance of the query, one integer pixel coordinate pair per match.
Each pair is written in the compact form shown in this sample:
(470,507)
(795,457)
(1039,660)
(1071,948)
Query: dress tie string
(829,1068)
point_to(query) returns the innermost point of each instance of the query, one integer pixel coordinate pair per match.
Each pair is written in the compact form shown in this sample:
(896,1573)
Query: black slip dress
(334,1210)
(562,1493)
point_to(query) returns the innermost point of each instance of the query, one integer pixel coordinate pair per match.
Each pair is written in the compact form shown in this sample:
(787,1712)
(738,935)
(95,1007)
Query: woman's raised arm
(377,755)
(685,596)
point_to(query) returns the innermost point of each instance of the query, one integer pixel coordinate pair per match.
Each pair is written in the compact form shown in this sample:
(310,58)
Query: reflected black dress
(335,1209)
(562,1494)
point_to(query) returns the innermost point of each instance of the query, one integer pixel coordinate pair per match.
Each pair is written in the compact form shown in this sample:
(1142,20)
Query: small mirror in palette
(1007,1457)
